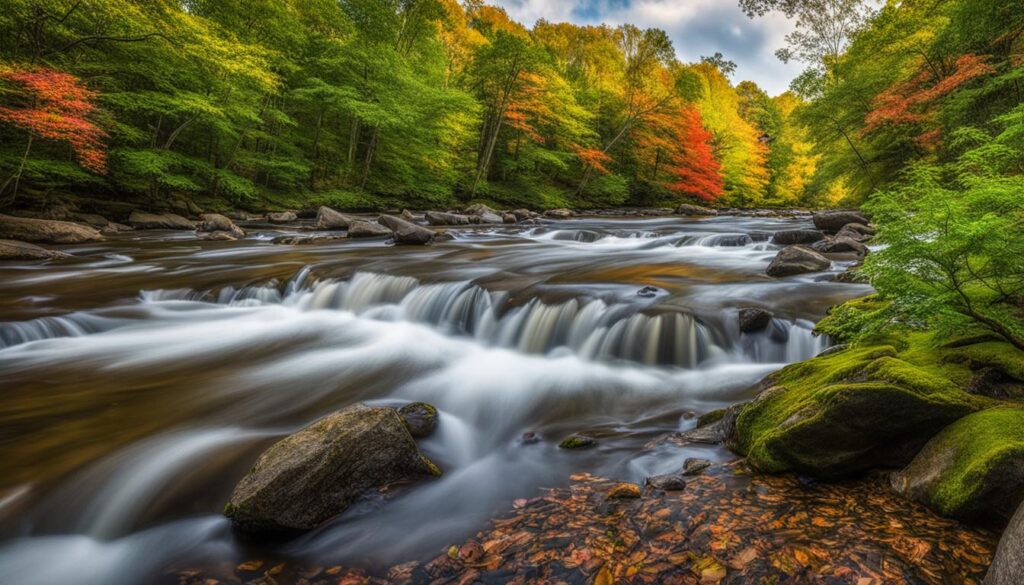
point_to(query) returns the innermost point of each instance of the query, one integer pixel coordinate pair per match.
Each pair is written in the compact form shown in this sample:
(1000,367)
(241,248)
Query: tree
(57,107)
(823,27)
(719,61)
(694,169)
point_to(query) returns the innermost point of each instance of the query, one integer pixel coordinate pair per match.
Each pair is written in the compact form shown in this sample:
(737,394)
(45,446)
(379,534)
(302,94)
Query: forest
(509,301)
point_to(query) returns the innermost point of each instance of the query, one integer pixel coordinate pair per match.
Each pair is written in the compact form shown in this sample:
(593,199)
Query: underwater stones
(713,428)
(328,219)
(754,319)
(670,482)
(46,231)
(624,491)
(315,474)
(847,412)
(797,259)
(420,418)
(695,466)
(790,237)
(142,220)
(695,210)
(407,233)
(578,442)
(1008,565)
(304,240)
(833,221)
(973,470)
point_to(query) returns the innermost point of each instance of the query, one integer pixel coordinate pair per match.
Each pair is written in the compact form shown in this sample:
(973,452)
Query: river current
(141,379)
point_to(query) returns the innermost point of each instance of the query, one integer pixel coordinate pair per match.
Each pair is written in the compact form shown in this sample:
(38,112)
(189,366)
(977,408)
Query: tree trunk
(370,149)
(16,177)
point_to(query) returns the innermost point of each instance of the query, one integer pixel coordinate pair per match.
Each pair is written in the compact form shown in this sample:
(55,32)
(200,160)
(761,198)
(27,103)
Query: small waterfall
(72,325)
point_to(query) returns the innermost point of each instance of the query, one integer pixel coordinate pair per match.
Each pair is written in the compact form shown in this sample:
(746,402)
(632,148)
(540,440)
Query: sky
(696,27)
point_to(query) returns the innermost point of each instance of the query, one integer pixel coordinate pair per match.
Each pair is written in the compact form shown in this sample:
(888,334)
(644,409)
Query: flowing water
(142,378)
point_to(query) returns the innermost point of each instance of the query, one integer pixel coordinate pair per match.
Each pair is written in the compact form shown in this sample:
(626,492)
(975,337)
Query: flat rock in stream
(142,220)
(328,219)
(367,229)
(797,259)
(14,250)
(407,232)
(217,226)
(317,473)
(46,231)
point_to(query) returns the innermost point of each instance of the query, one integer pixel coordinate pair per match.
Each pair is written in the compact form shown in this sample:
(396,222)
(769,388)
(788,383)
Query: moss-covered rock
(850,411)
(973,470)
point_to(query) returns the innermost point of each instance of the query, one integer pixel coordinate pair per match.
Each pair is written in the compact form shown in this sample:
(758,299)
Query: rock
(367,229)
(995,383)
(624,491)
(509,218)
(840,244)
(115,228)
(443,218)
(420,418)
(142,220)
(46,231)
(790,237)
(530,438)
(647,292)
(328,220)
(216,236)
(973,470)
(797,260)
(95,220)
(670,482)
(305,240)
(754,319)
(864,230)
(844,413)
(479,209)
(696,210)
(406,232)
(560,213)
(14,250)
(309,477)
(714,428)
(524,214)
(282,217)
(215,222)
(407,216)
(1008,566)
(238,215)
(577,442)
(848,232)
(695,466)
(833,221)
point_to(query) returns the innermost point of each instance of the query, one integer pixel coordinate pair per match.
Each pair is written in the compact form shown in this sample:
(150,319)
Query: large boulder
(327,219)
(850,231)
(14,250)
(1008,566)
(367,229)
(219,227)
(797,260)
(753,319)
(142,220)
(317,473)
(849,411)
(973,470)
(696,210)
(46,231)
(790,237)
(839,245)
(407,232)
(443,218)
(833,221)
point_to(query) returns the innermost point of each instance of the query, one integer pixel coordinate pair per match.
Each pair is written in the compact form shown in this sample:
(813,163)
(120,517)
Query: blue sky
(697,27)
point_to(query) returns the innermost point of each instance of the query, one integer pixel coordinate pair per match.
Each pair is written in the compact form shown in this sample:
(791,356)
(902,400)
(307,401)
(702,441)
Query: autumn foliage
(694,168)
(57,106)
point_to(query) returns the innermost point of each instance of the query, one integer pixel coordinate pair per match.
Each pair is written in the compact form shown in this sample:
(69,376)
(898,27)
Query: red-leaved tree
(696,171)
(55,106)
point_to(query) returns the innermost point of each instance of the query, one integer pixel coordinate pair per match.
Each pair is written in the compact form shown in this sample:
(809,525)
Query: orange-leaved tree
(694,169)
(55,106)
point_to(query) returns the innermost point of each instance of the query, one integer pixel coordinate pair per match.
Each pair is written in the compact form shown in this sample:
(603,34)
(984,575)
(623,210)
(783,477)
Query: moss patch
(852,410)
(972,470)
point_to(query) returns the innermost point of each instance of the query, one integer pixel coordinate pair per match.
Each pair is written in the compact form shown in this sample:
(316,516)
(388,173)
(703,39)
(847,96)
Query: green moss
(577,442)
(711,417)
(852,410)
(974,469)
(1001,356)
(853,319)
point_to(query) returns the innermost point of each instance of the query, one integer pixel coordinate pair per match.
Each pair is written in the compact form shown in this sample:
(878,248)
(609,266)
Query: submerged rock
(833,221)
(328,219)
(790,237)
(670,482)
(624,491)
(46,231)
(695,210)
(797,260)
(305,240)
(714,428)
(754,319)
(695,466)
(578,442)
(973,470)
(315,474)
(142,220)
(367,229)
(847,412)
(1008,566)
(420,418)
(14,250)
(407,232)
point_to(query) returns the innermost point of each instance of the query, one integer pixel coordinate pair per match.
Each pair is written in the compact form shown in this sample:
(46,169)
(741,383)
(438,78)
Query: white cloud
(697,28)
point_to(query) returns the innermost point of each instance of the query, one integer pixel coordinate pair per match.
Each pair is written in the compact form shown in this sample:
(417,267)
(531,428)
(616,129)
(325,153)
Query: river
(142,377)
